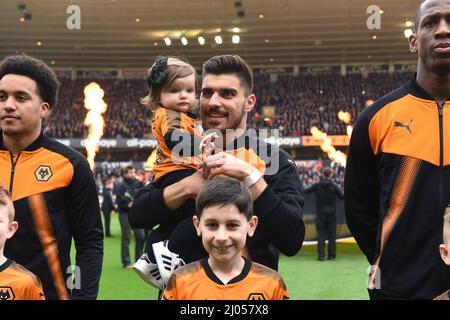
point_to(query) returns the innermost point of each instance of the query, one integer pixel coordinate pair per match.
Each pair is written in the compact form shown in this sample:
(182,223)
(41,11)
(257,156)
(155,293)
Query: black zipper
(13,169)
(441,134)
(441,156)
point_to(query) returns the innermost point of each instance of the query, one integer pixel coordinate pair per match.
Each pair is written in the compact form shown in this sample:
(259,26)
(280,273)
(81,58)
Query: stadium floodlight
(236,39)
(408,33)
(184,41)
(167,41)
(218,39)
(201,40)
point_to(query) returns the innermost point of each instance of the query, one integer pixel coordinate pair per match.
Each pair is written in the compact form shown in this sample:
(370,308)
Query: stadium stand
(300,102)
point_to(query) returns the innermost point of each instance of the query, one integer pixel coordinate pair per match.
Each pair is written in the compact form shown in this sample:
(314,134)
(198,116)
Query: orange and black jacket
(197,281)
(55,200)
(397,186)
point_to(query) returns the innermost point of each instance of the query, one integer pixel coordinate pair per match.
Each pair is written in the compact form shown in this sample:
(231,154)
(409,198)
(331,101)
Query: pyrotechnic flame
(326,146)
(94,120)
(349,130)
(346,117)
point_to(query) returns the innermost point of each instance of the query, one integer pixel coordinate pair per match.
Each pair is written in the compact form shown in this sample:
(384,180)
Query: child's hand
(207,146)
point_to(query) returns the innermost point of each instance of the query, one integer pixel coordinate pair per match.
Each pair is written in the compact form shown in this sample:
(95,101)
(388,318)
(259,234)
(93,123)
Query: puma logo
(405,126)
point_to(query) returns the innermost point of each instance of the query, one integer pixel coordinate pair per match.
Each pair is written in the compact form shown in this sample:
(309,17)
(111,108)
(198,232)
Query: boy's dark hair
(224,191)
(46,81)
(230,64)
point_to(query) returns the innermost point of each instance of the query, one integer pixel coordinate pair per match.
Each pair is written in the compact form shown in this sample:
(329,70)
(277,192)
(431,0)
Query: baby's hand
(207,146)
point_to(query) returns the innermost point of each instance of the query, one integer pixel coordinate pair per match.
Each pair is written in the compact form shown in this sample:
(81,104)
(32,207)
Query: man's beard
(233,125)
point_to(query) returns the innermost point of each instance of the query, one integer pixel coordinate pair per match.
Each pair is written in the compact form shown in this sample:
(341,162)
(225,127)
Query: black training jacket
(397,186)
(55,200)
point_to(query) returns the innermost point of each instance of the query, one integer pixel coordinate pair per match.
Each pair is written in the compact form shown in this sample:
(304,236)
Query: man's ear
(45,107)
(12,229)
(445,255)
(250,103)
(196,222)
(413,43)
(252,226)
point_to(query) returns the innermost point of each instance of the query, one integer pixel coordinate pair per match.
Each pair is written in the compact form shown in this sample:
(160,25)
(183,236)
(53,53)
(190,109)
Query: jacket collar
(36,144)
(415,89)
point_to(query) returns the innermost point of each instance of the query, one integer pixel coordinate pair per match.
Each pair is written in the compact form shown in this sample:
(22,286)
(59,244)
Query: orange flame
(326,146)
(346,117)
(94,120)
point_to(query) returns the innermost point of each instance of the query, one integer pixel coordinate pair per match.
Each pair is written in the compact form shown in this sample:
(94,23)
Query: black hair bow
(158,74)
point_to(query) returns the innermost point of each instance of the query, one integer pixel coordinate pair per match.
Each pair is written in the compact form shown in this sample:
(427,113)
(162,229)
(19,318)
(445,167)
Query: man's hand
(231,166)
(224,163)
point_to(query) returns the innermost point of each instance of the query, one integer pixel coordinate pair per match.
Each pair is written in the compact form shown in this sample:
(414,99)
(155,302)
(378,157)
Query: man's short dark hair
(23,65)
(230,64)
(128,168)
(222,192)
(326,172)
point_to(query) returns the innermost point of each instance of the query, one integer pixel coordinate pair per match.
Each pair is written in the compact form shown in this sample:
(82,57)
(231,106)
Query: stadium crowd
(310,172)
(300,103)
(125,116)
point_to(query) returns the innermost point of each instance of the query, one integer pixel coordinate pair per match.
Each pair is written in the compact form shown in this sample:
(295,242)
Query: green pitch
(305,277)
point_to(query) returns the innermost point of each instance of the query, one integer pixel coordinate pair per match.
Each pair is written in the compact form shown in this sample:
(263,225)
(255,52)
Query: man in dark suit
(125,192)
(326,192)
(108,205)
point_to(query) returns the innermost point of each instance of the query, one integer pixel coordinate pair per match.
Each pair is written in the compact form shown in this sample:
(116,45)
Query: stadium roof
(130,33)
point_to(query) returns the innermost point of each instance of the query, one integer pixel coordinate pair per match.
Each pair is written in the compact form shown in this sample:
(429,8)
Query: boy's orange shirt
(196,281)
(17,283)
